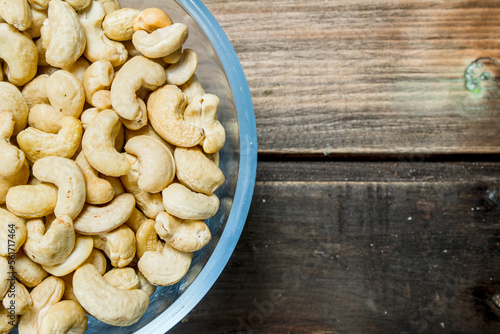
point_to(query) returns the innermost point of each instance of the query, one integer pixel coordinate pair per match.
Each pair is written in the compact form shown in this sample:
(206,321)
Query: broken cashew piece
(101,219)
(80,253)
(107,303)
(180,72)
(66,316)
(99,191)
(161,42)
(118,25)
(119,245)
(32,201)
(147,239)
(183,203)
(17,299)
(17,13)
(68,178)
(122,278)
(97,80)
(29,273)
(12,233)
(183,235)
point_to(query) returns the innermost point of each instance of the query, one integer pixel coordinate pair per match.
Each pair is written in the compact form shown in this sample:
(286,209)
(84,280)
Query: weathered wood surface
(340,77)
(363,247)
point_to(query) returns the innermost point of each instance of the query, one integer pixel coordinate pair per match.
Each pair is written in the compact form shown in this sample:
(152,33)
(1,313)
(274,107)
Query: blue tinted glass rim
(246,174)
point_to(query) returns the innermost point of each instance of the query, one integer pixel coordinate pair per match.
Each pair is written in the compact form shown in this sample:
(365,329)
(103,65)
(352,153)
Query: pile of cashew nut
(108,162)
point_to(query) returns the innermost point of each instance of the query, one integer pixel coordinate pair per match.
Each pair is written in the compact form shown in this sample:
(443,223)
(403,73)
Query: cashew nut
(161,42)
(66,316)
(81,251)
(183,203)
(183,235)
(12,233)
(13,102)
(119,245)
(116,184)
(97,80)
(17,299)
(28,272)
(36,25)
(64,25)
(78,68)
(17,13)
(136,73)
(119,24)
(110,5)
(148,130)
(44,295)
(150,204)
(51,244)
(37,144)
(99,46)
(7,321)
(105,302)
(98,259)
(45,118)
(165,111)
(174,57)
(34,91)
(132,51)
(147,239)
(122,278)
(144,285)
(32,201)
(151,19)
(166,267)
(99,191)
(4,276)
(11,158)
(19,178)
(100,219)
(197,171)
(98,144)
(78,5)
(39,4)
(180,72)
(136,219)
(65,93)
(68,178)
(157,163)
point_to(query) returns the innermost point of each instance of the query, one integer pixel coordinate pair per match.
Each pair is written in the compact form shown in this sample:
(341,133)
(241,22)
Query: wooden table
(377,202)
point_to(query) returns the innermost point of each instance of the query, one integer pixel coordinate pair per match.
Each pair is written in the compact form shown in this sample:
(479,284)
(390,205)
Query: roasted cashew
(28,272)
(17,13)
(157,163)
(183,203)
(79,5)
(19,178)
(44,295)
(34,30)
(65,93)
(148,130)
(196,171)
(13,102)
(161,42)
(137,218)
(34,91)
(12,233)
(100,47)
(166,267)
(150,204)
(183,235)
(66,316)
(119,245)
(147,239)
(37,144)
(151,19)
(68,178)
(17,299)
(105,302)
(11,158)
(80,253)
(165,111)
(136,73)
(32,201)
(49,245)
(122,278)
(63,25)
(118,25)
(180,72)
(99,191)
(101,219)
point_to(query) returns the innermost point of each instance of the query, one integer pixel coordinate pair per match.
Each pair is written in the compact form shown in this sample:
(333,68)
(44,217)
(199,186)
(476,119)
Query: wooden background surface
(377,202)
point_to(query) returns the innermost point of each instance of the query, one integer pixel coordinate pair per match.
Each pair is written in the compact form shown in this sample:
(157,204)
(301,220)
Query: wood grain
(367,77)
(355,247)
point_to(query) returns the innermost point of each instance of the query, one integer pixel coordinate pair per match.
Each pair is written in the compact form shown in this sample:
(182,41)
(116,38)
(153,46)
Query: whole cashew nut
(161,42)
(147,239)
(66,316)
(105,302)
(180,72)
(11,158)
(17,299)
(183,235)
(118,25)
(119,245)
(17,13)
(29,273)
(68,178)
(32,201)
(80,253)
(122,278)
(183,203)
(151,19)
(99,191)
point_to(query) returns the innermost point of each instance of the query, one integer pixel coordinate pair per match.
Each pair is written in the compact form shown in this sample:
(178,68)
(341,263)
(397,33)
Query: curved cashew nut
(119,245)
(157,163)
(17,299)
(165,111)
(39,4)
(147,239)
(180,72)
(11,158)
(122,278)
(161,42)
(64,25)
(119,24)
(49,245)
(79,5)
(44,295)
(66,316)
(166,267)
(97,80)
(148,130)
(183,235)
(34,30)
(99,46)
(136,73)
(13,102)
(197,171)
(98,259)
(37,144)
(183,203)
(65,93)
(32,201)
(99,191)
(19,178)
(17,13)
(136,219)
(98,144)
(68,178)
(100,219)
(150,204)
(151,19)
(29,273)
(12,233)
(80,253)
(105,302)
(34,91)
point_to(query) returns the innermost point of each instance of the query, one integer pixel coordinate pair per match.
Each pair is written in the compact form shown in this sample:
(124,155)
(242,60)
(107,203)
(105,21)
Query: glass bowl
(220,73)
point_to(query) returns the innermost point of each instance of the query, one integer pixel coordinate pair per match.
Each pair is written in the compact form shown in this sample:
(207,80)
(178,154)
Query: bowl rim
(246,172)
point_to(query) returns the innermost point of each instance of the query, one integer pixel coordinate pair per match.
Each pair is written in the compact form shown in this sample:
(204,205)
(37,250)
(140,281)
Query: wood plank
(353,247)
(339,77)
